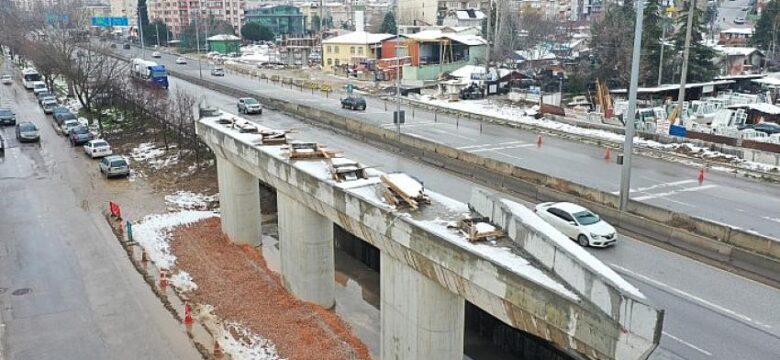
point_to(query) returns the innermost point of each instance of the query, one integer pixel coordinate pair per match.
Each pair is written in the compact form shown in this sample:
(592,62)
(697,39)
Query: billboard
(103,21)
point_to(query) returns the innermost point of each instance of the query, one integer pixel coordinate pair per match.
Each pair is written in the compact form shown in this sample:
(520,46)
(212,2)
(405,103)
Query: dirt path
(236,281)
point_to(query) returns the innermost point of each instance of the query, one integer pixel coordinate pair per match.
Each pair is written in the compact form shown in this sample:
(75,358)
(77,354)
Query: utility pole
(397,115)
(157,30)
(686,53)
(197,42)
(661,60)
(628,144)
(140,31)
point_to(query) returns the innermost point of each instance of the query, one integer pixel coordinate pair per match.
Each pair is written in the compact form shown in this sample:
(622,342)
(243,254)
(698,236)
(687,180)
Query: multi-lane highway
(711,314)
(723,197)
(67,289)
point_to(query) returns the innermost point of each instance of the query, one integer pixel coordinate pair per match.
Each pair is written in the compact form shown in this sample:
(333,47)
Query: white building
(177,15)
(418,12)
(470,18)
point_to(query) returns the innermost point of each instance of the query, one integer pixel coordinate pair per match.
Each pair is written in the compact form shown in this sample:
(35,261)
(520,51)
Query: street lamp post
(157,30)
(197,44)
(628,144)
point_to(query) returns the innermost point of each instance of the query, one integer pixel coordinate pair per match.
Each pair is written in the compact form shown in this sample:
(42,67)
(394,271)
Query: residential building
(351,48)
(469,17)
(128,8)
(281,19)
(98,9)
(445,6)
(224,44)
(418,12)
(735,36)
(178,15)
(740,60)
(31,5)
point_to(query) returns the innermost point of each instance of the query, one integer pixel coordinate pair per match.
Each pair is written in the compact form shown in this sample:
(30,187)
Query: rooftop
(737,51)
(223,37)
(358,37)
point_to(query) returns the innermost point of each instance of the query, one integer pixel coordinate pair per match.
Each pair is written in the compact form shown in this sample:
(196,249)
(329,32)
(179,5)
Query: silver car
(114,165)
(27,132)
(48,106)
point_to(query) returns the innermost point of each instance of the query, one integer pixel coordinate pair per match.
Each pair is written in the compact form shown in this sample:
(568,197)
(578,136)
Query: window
(560,213)
(330,61)
(351,49)
(336,49)
(360,50)
(328,50)
(337,62)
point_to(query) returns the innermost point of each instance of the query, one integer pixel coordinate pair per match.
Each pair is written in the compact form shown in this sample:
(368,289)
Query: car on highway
(68,125)
(7,117)
(217,71)
(97,148)
(156,55)
(739,20)
(48,105)
(27,132)
(7,79)
(126,46)
(39,87)
(578,223)
(768,128)
(353,102)
(181,60)
(61,117)
(114,165)
(249,106)
(80,135)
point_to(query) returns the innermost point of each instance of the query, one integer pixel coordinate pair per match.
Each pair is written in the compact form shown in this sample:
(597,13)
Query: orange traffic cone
(701,175)
(187,314)
(163,278)
(539,141)
(608,154)
(218,353)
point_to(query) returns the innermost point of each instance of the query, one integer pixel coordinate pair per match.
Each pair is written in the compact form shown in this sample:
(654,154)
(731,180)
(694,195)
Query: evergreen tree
(700,59)
(255,31)
(653,24)
(388,24)
(611,45)
(765,35)
(151,31)
(143,13)
(315,23)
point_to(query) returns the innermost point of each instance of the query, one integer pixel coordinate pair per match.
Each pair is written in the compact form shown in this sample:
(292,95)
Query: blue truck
(149,71)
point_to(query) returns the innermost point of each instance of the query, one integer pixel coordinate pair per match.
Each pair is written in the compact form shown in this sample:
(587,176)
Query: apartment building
(177,14)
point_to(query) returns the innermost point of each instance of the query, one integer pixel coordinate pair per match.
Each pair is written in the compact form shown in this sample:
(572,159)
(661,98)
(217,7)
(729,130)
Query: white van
(39,86)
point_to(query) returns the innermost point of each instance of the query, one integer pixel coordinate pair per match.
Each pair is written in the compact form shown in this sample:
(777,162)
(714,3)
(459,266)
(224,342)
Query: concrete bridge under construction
(535,279)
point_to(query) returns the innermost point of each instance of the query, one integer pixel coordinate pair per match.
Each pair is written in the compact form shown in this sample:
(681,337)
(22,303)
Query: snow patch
(246,345)
(191,201)
(152,233)
(153,155)
(183,281)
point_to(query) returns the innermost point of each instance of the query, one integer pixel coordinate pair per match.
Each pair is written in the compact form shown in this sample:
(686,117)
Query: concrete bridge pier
(420,318)
(239,201)
(306,251)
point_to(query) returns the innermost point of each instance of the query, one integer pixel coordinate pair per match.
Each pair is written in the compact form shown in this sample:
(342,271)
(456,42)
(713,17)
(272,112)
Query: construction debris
(240,124)
(402,188)
(274,137)
(308,150)
(343,169)
(477,229)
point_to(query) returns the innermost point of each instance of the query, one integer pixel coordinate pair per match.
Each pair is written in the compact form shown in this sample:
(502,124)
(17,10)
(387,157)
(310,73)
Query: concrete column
(420,318)
(239,202)
(306,248)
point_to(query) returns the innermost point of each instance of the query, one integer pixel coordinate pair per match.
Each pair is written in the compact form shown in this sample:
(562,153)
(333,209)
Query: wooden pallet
(395,195)
(308,150)
(469,227)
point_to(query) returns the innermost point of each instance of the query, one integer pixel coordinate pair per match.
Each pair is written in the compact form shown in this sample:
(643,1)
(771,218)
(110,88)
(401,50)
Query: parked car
(38,87)
(43,94)
(181,60)
(114,165)
(47,99)
(59,109)
(353,102)
(27,132)
(249,106)
(80,135)
(156,55)
(739,20)
(97,148)
(578,223)
(7,117)
(69,125)
(126,46)
(61,117)
(48,105)
(7,79)
(217,71)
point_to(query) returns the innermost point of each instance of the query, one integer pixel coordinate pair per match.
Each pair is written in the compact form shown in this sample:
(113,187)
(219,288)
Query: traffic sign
(104,21)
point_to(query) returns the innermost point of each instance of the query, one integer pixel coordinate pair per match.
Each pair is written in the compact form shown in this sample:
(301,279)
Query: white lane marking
(406,126)
(681,341)
(503,147)
(664,194)
(421,137)
(710,305)
(507,155)
(488,145)
(777,220)
(661,185)
(453,134)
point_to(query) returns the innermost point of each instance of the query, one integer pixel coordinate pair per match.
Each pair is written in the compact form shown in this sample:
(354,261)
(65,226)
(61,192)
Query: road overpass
(539,283)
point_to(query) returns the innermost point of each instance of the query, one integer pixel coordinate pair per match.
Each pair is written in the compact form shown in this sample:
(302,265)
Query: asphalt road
(723,197)
(67,289)
(729,10)
(711,314)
